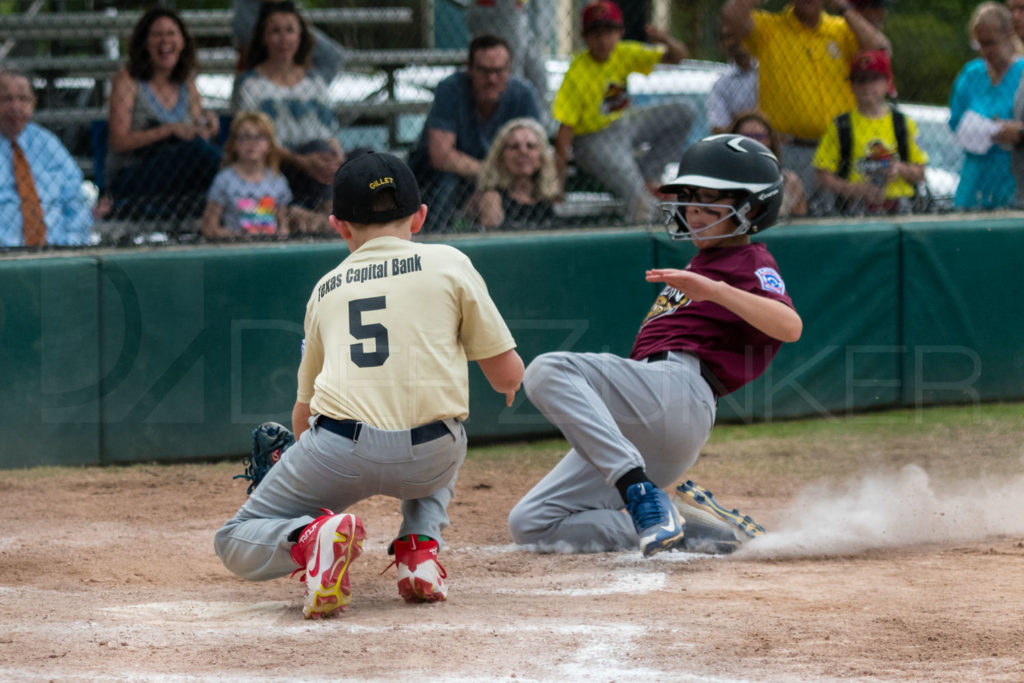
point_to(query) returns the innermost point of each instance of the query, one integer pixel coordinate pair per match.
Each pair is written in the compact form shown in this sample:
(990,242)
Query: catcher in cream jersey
(382,392)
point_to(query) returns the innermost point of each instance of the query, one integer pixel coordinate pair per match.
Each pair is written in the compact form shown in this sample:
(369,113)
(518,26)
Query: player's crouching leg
(320,549)
(258,549)
(542,372)
(522,523)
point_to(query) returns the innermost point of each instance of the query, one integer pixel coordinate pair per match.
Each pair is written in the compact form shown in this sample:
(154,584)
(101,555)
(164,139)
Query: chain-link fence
(147,107)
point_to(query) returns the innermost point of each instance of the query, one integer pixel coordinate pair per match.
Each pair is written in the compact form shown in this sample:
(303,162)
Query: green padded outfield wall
(200,345)
(558,292)
(178,353)
(49,342)
(205,343)
(963,318)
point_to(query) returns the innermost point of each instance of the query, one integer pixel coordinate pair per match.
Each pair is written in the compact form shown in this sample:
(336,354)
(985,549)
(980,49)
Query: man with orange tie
(41,201)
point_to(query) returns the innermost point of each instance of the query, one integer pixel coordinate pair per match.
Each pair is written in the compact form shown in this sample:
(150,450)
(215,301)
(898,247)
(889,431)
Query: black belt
(350,429)
(705,372)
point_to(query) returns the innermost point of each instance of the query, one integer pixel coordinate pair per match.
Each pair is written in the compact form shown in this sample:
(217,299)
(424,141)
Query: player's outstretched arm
(772,317)
(504,372)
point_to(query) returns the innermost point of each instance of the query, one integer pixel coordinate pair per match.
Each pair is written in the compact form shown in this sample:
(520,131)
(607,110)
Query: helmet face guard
(673,215)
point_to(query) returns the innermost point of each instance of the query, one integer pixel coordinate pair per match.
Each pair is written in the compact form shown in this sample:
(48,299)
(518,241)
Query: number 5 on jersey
(375,331)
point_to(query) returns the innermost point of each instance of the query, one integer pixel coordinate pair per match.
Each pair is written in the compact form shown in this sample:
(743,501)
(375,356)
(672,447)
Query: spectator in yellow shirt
(804,56)
(593,108)
(882,163)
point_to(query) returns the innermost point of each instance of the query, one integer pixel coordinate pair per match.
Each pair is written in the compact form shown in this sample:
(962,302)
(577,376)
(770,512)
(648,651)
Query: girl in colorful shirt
(249,196)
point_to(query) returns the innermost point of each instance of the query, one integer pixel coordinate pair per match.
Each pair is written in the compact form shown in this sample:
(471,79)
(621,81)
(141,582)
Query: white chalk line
(597,650)
(606,649)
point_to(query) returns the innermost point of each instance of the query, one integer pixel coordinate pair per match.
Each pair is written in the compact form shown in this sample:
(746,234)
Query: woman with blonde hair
(518,180)
(249,196)
(984,90)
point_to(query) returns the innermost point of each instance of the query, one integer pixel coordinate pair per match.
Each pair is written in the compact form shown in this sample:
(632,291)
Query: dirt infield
(904,572)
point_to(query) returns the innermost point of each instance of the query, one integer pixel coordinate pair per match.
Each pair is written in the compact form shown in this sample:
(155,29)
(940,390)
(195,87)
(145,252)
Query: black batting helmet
(737,167)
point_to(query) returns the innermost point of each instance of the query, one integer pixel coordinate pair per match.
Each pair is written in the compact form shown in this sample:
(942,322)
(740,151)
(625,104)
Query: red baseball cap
(875,62)
(601,13)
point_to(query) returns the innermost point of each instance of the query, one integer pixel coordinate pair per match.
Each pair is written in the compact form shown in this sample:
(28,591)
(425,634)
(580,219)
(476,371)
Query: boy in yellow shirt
(593,108)
(869,157)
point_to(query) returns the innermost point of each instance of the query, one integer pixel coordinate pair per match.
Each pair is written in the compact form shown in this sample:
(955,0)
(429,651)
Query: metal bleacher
(382,105)
(385,105)
(77,25)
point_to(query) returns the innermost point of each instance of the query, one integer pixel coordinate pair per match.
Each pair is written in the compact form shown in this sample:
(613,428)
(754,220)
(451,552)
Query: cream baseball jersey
(389,333)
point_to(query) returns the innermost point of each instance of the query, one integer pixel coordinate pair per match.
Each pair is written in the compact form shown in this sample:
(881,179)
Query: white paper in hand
(975,132)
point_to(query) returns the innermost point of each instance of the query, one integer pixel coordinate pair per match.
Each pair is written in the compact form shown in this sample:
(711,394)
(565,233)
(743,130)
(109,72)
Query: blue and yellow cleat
(655,518)
(700,498)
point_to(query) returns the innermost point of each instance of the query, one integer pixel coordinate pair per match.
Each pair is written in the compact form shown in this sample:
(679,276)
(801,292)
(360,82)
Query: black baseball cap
(365,175)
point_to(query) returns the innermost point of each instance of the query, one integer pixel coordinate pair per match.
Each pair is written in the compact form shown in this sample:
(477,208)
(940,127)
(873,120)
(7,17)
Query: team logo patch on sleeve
(771,281)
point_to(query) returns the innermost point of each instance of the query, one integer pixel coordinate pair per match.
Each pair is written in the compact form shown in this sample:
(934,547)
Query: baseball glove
(269,442)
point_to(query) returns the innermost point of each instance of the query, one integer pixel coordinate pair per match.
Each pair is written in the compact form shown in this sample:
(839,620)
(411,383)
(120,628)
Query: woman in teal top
(987,85)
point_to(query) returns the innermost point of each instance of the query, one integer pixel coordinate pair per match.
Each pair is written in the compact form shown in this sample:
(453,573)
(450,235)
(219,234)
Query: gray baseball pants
(634,150)
(325,470)
(617,414)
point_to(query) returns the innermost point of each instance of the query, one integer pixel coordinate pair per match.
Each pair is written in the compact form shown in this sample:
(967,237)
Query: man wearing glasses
(469,108)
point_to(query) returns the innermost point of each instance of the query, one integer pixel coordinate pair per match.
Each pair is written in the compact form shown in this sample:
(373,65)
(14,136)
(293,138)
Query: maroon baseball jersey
(733,350)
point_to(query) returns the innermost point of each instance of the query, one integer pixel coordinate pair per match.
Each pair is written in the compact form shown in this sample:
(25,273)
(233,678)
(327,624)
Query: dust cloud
(892,510)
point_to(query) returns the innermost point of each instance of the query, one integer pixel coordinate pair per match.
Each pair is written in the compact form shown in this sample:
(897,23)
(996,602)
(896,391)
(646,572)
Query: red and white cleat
(420,575)
(326,548)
